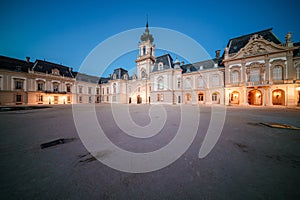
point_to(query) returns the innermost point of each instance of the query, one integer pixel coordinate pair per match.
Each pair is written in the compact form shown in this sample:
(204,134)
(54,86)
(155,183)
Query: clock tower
(146,57)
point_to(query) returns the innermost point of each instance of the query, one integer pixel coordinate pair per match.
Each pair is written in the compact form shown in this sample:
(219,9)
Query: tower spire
(147,22)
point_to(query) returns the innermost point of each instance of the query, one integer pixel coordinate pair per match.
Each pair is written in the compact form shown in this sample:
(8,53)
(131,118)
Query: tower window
(144,50)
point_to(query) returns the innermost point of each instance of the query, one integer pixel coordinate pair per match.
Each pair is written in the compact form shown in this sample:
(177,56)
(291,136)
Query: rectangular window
(89,90)
(90,99)
(179,99)
(68,88)
(19,84)
(69,99)
(18,98)
(158,97)
(200,83)
(55,99)
(254,75)
(39,98)
(55,87)
(80,99)
(178,83)
(40,86)
(107,98)
(298,72)
(107,90)
(97,90)
(277,73)
(80,90)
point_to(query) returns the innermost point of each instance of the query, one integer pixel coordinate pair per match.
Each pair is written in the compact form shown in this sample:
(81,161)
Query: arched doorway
(215,98)
(278,97)
(139,99)
(188,98)
(255,98)
(200,97)
(235,97)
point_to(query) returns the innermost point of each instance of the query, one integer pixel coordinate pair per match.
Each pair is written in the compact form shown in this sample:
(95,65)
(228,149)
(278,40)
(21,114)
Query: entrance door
(139,99)
(278,97)
(255,98)
(235,98)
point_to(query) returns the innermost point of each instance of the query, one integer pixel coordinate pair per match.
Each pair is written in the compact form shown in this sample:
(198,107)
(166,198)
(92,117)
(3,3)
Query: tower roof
(146,35)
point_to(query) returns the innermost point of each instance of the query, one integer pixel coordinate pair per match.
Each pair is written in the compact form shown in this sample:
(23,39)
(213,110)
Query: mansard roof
(47,67)
(235,44)
(120,72)
(202,65)
(297,51)
(85,78)
(166,60)
(13,64)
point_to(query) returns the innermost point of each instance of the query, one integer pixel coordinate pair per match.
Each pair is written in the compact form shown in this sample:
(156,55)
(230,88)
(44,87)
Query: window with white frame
(254,75)
(55,87)
(80,89)
(115,88)
(160,84)
(68,87)
(160,66)
(89,90)
(277,73)
(40,85)
(178,83)
(19,84)
(188,83)
(235,77)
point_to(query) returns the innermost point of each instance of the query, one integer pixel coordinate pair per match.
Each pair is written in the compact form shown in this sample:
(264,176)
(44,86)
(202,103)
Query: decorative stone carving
(255,48)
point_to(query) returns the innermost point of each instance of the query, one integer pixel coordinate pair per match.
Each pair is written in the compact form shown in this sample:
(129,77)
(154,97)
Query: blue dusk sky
(65,32)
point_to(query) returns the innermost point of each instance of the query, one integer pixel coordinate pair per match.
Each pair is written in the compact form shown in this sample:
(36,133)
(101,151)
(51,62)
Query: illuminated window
(18,98)
(55,87)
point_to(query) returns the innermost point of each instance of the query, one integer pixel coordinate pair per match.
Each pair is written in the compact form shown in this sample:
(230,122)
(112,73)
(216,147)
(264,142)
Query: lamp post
(298,89)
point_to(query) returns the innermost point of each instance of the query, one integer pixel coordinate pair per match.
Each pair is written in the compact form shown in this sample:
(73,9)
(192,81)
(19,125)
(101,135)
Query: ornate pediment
(257,45)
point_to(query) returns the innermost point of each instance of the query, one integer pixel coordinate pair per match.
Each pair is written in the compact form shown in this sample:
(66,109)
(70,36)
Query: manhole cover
(284,126)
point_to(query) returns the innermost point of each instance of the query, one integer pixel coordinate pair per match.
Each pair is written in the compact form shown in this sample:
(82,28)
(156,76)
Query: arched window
(178,83)
(160,66)
(144,50)
(115,88)
(188,83)
(160,84)
(277,73)
(143,74)
(235,77)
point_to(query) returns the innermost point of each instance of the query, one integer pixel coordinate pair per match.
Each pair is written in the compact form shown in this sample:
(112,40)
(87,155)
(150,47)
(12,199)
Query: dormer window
(55,71)
(115,76)
(125,77)
(160,66)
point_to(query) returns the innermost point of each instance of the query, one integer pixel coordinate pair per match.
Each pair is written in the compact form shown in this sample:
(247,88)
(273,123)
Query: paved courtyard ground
(249,161)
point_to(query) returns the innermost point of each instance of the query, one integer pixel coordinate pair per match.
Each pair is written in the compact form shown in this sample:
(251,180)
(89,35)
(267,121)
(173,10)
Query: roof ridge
(269,29)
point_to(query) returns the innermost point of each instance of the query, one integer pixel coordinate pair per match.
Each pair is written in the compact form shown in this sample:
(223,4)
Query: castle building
(255,69)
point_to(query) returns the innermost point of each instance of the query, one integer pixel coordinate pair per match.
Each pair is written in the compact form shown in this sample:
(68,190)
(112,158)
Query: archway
(235,97)
(188,98)
(200,97)
(139,99)
(278,97)
(255,98)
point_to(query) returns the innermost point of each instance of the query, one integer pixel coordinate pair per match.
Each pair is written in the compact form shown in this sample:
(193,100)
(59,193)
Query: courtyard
(249,161)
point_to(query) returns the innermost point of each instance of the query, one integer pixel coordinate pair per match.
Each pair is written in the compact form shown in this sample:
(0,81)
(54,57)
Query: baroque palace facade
(255,69)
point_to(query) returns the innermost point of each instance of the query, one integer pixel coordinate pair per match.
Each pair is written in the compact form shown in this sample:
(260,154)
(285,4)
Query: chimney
(27,59)
(217,54)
